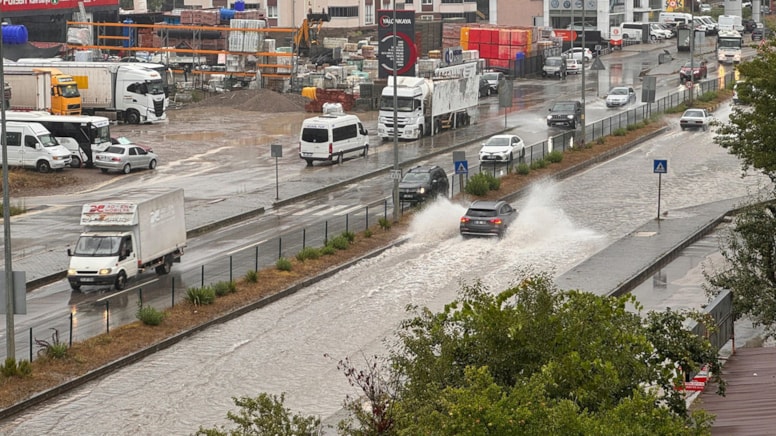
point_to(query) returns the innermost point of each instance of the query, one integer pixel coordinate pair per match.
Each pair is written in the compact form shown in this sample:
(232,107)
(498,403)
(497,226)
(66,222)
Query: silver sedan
(124,158)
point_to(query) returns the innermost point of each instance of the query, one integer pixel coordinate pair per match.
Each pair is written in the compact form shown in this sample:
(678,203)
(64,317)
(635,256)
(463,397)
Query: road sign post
(276,151)
(660,167)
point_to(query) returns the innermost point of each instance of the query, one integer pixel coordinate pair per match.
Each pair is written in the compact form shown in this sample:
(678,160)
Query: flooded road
(283,347)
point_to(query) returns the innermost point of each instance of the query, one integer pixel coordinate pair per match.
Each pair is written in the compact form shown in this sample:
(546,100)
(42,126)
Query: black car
(565,113)
(759,33)
(749,25)
(487,218)
(421,183)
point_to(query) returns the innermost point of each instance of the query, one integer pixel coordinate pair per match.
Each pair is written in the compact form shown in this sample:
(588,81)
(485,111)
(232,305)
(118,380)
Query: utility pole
(10,340)
(584,47)
(692,50)
(396,204)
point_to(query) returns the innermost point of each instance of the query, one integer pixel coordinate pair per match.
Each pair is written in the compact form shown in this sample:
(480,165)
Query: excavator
(307,35)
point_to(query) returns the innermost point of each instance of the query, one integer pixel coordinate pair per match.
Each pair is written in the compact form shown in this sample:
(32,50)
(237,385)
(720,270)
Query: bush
(328,250)
(252,276)
(283,264)
(53,349)
(620,132)
(538,164)
(601,140)
(201,296)
(367,233)
(523,169)
(554,156)
(350,236)
(477,186)
(148,315)
(385,223)
(677,109)
(632,127)
(340,243)
(224,288)
(308,253)
(13,369)
(707,96)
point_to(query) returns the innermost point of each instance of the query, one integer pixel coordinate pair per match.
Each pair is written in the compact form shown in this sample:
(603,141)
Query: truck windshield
(155,87)
(97,246)
(729,42)
(101,134)
(69,91)
(48,140)
(404,104)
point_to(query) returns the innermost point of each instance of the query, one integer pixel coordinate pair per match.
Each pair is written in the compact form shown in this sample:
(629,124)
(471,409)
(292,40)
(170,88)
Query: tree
(264,415)
(748,134)
(749,250)
(545,361)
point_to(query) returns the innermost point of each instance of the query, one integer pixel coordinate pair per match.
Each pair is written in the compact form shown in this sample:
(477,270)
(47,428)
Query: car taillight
(496,221)
(116,159)
(465,220)
(331,148)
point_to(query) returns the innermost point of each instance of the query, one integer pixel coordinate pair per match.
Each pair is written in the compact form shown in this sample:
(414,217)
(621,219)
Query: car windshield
(416,177)
(48,140)
(490,76)
(553,62)
(619,91)
(481,212)
(97,245)
(498,142)
(563,107)
(694,114)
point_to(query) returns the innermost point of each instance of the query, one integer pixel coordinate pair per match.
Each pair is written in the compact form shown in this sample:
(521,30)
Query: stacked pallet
(201,17)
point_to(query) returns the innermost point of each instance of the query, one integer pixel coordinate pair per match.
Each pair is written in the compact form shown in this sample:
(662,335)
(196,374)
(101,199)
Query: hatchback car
(493,78)
(620,96)
(487,218)
(502,148)
(573,66)
(422,183)
(124,158)
(695,119)
(579,53)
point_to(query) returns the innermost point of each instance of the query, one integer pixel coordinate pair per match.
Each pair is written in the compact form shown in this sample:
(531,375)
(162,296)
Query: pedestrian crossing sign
(461,167)
(660,166)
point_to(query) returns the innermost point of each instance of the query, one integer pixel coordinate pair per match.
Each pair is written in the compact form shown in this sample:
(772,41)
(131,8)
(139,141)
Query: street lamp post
(395,127)
(584,46)
(692,50)
(10,341)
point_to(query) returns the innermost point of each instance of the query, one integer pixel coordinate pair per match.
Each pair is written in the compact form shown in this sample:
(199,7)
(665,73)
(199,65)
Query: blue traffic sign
(660,166)
(461,167)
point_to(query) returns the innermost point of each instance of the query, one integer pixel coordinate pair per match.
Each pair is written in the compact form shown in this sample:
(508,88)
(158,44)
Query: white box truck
(426,106)
(127,92)
(123,238)
(44,89)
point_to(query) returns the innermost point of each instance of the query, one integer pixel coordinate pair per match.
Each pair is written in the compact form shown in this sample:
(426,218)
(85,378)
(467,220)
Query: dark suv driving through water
(421,183)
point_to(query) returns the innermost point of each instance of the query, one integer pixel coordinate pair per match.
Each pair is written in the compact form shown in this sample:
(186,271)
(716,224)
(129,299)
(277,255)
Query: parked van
(77,156)
(332,137)
(636,31)
(674,18)
(31,145)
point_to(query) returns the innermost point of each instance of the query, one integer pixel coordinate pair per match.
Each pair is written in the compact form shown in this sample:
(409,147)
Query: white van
(31,145)
(77,156)
(332,137)
(674,18)
(636,30)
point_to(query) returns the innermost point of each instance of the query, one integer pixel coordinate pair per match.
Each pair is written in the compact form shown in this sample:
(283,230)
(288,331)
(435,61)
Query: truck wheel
(43,167)
(165,267)
(309,162)
(75,286)
(340,158)
(127,169)
(121,281)
(132,117)
(366,151)
(75,162)
(152,164)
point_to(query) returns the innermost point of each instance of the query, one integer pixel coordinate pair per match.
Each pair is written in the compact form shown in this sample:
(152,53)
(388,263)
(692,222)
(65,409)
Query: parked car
(659,31)
(554,66)
(126,141)
(749,25)
(695,119)
(502,148)
(696,72)
(565,113)
(493,78)
(485,90)
(705,7)
(620,96)
(422,183)
(487,218)
(573,66)
(125,158)
(760,32)
(579,53)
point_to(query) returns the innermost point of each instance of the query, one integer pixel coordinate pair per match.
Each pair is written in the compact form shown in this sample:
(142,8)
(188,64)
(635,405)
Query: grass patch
(538,164)
(148,315)
(224,288)
(340,243)
(555,156)
(677,109)
(283,264)
(385,223)
(308,253)
(620,132)
(252,276)
(523,169)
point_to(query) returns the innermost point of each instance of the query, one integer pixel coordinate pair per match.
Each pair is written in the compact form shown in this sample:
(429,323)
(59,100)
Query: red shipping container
(503,52)
(504,36)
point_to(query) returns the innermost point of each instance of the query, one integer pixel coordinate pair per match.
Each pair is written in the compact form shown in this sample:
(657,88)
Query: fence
(90,318)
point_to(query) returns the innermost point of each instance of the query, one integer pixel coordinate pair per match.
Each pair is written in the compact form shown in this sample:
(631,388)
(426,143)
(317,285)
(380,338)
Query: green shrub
(53,349)
(328,250)
(350,236)
(620,132)
(308,253)
(555,156)
(340,243)
(538,164)
(201,296)
(600,141)
(148,315)
(11,368)
(224,288)
(522,169)
(385,223)
(493,182)
(283,264)
(252,276)
(24,368)
(707,96)
(367,233)
(477,186)
(677,109)
(632,127)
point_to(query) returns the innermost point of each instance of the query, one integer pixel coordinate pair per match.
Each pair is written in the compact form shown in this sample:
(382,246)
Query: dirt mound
(258,100)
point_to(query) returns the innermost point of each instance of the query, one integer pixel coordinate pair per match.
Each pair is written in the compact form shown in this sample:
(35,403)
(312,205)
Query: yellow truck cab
(65,98)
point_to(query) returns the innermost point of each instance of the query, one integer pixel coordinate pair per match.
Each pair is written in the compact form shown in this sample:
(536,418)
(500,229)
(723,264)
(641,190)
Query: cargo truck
(123,238)
(126,92)
(426,106)
(44,89)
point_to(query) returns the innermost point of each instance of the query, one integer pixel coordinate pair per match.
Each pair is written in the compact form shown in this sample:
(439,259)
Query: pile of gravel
(256,100)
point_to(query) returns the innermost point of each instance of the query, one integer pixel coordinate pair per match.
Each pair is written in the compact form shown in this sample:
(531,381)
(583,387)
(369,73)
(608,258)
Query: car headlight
(72,272)
(569,116)
(104,271)
(549,117)
(421,190)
